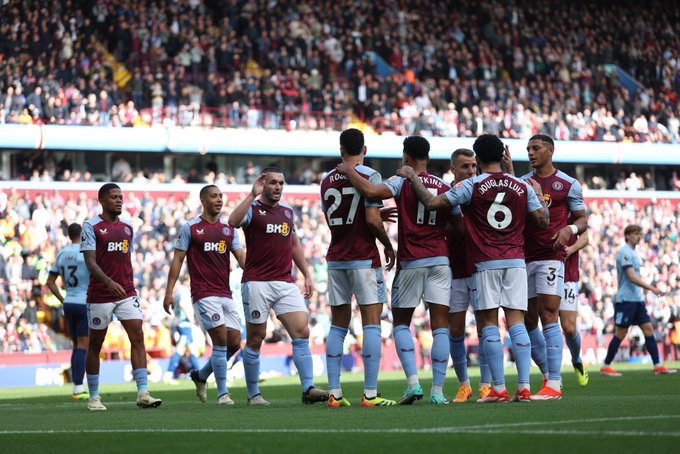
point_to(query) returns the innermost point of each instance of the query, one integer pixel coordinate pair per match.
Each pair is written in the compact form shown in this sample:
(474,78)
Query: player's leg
(484,371)
(488,286)
(340,319)
(339,299)
(99,317)
(76,319)
(129,313)
(437,294)
(257,300)
(642,319)
(369,287)
(513,301)
(531,319)
(623,317)
(460,300)
(549,287)
(290,308)
(568,316)
(407,289)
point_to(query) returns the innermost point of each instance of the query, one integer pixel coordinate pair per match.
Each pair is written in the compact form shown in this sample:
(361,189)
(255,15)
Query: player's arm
(236,217)
(301,262)
(538,207)
(375,223)
(366,188)
(637,280)
(114,287)
(455,228)
(577,208)
(582,241)
(52,285)
(240,256)
(430,201)
(173,275)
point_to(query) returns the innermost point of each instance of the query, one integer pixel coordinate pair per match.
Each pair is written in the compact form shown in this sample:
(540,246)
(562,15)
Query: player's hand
(258,186)
(390,259)
(388,214)
(407,172)
(344,167)
(658,292)
(116,289)
(562,237)
(169,303)
(507,161)
(537,189)
(569,250)
(309,287)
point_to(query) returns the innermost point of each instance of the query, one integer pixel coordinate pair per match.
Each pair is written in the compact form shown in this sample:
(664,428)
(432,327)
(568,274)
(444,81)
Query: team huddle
(491,240)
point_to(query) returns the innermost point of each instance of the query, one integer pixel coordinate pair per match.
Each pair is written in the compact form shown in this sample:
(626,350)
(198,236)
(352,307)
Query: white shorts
(432,284)
(99,315)
(500,288)
(461,295)
(366,284)
(216,311)
(545,277)
(259,297)
(569,297)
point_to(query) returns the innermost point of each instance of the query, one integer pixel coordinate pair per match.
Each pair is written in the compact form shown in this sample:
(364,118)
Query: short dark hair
(74,231)
(543,138)
(462,152)
(489,148)
(272,169)
(104,190)
(417,147)
(204,190)
(352,140)
(633,228)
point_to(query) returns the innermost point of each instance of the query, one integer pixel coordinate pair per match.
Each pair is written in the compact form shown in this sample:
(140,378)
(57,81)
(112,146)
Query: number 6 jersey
(495,207)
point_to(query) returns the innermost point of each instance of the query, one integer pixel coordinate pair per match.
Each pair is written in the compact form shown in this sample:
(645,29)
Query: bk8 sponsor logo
(118,246)
(283,228)
(220,247)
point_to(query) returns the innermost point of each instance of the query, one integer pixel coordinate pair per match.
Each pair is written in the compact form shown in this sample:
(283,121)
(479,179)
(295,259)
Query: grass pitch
(638,412)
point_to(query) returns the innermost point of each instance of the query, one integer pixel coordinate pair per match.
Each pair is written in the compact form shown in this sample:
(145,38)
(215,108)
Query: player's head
(74,231)
(489,149)
(352,142)
(111,199)
(540,150)
(273,184)
(211,199)
(416,149)
(463,164)
(632,234)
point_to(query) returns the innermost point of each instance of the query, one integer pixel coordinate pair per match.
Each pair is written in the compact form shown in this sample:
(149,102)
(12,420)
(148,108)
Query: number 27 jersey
(495,207)
(352,242)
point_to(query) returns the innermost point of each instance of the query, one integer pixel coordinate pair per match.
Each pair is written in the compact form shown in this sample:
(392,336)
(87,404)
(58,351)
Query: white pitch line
(500,428)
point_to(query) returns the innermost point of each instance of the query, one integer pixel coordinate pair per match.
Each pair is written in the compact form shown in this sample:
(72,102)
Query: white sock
(437,389)
(370,393)
(554,384)
(412,381)
(336,392)
(465,382)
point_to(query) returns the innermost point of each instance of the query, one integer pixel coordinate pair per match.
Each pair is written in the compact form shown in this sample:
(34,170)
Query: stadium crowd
(33,229)
(458,68)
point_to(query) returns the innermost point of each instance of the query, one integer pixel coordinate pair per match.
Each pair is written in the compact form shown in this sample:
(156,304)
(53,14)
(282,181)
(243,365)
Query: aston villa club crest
(127,231)
(255,314)
(97,321)
(215,317)
(288,214)
(226,231)
(557,185)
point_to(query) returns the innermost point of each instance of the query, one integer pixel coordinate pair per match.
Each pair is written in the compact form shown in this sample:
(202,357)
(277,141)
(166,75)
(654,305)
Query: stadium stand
(456,68)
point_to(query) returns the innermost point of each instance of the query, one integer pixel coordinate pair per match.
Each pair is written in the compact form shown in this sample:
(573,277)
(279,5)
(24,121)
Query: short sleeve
(88,240)
(184,238)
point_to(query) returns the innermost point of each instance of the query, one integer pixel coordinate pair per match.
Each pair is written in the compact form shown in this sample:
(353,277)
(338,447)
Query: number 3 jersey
(112,242)
(70,264)
(495,207)
(422,240)
(352,241)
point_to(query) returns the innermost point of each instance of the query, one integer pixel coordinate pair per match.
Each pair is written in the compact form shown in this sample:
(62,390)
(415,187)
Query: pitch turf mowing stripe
(508,428)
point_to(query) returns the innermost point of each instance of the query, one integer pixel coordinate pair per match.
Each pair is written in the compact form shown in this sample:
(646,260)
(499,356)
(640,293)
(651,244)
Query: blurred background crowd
(598,70)
(32,230)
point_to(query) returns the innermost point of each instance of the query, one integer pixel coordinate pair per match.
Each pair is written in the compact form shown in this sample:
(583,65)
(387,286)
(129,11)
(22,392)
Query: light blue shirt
(70,265)
(627,258)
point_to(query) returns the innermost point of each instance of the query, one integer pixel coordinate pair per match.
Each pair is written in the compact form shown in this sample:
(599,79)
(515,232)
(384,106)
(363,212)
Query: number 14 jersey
(495,207)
